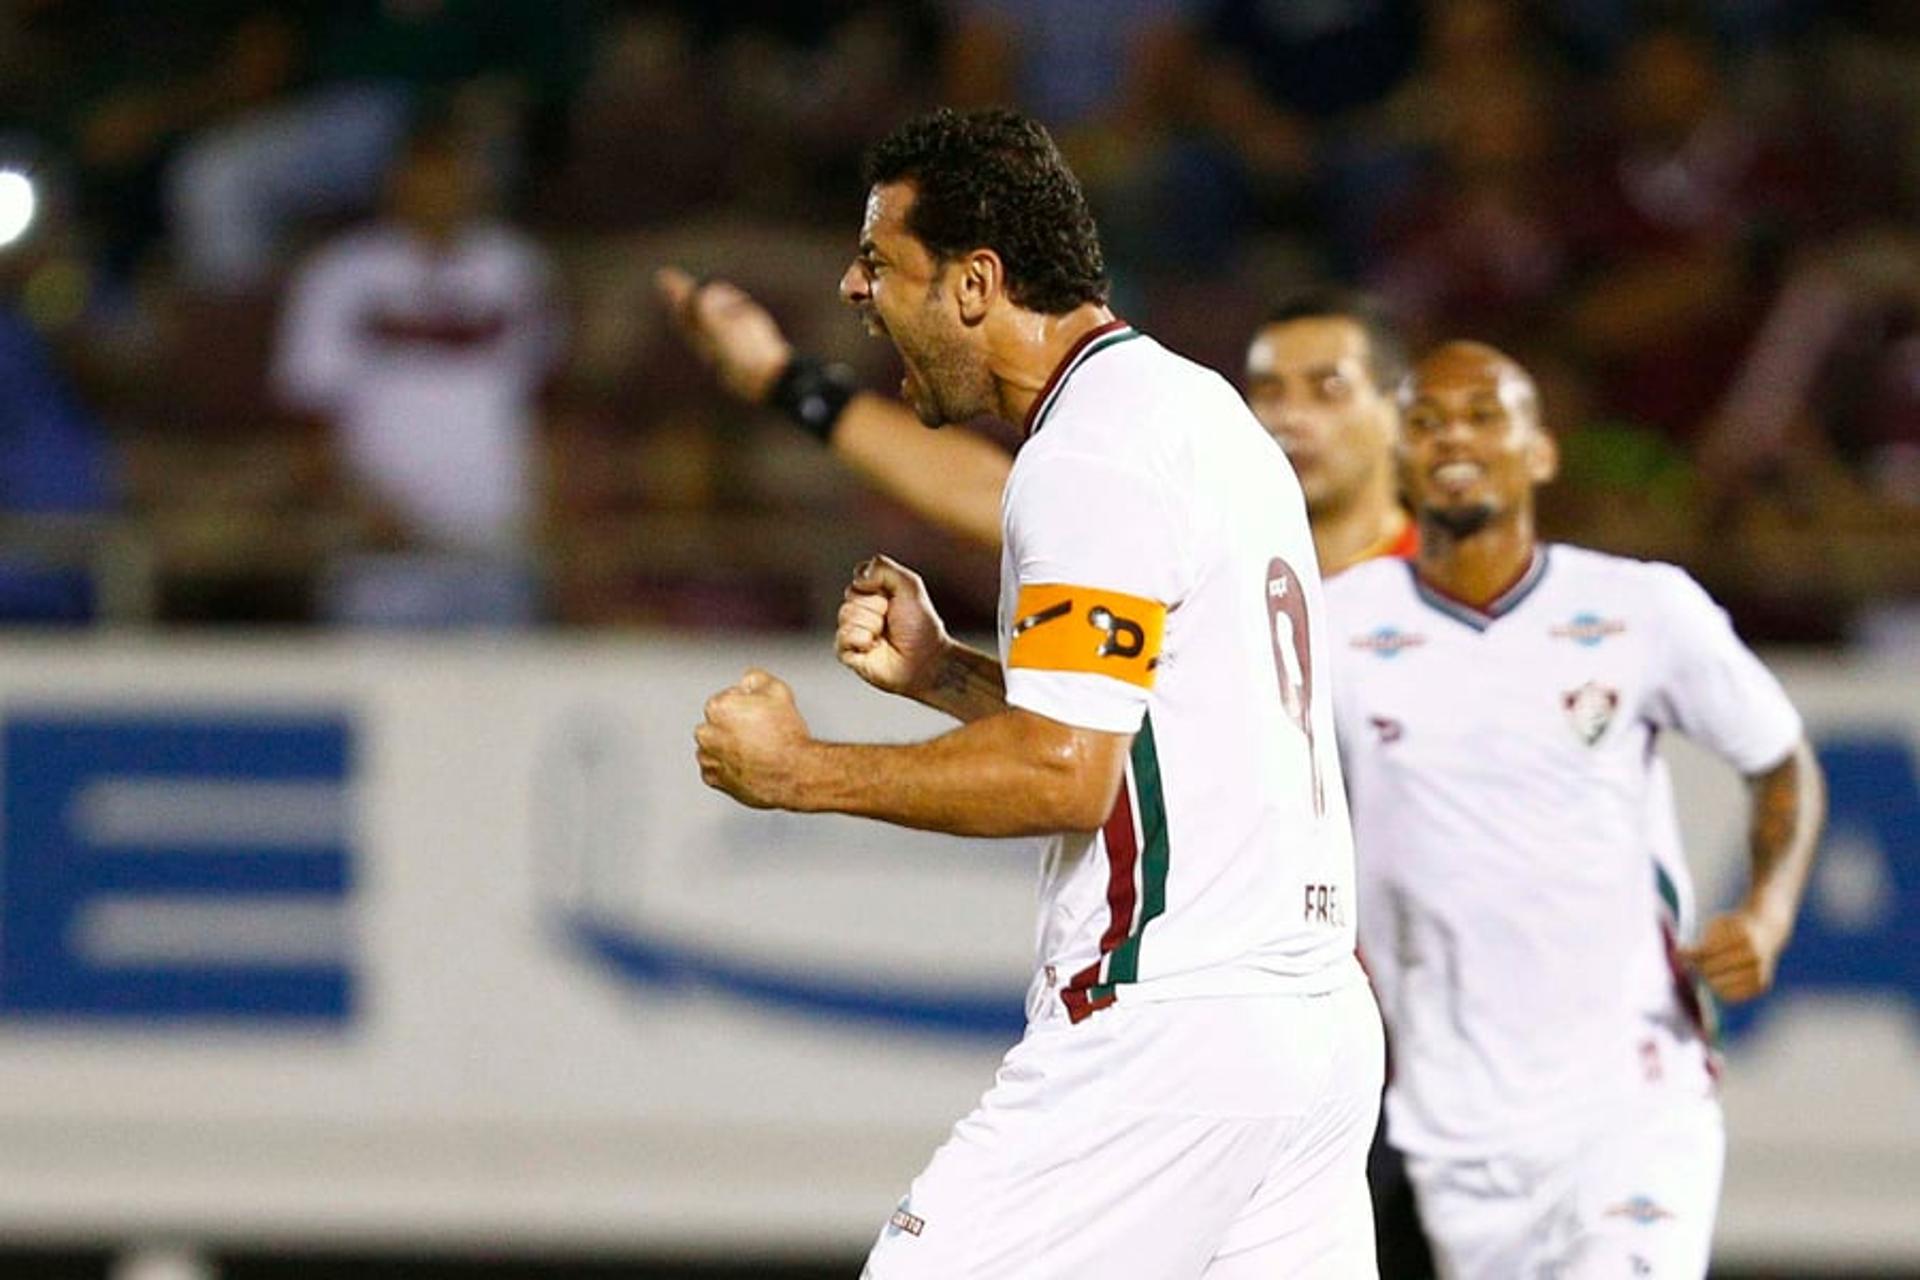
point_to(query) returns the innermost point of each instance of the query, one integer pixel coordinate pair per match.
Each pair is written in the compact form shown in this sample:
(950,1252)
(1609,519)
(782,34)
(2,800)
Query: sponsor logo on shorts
(904,1220)
(1387,642)
(1588,629)
(1591,708)
(1644,1210)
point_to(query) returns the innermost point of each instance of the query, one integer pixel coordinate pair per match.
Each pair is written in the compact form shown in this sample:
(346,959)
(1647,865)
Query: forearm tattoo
(969,685)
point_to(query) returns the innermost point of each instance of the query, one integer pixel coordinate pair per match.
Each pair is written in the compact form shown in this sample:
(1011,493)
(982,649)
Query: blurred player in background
(423,342)
(1195,1091)
(1498,704)
(1321,375)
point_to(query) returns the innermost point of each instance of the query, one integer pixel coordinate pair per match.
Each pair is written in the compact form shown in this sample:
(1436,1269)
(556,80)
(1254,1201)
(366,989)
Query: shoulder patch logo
(1590,708)
(1587,629)
(1388,641)
(904,1220)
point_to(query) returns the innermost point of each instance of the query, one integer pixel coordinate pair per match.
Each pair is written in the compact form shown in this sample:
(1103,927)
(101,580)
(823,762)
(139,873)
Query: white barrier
(447,946)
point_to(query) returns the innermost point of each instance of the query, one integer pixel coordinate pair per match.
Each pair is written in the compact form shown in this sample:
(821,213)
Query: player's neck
(1026,348)
(1363,529)
(1480,567)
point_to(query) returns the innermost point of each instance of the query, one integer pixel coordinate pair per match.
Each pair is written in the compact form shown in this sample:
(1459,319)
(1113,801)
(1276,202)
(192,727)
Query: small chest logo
(1590,708)
(1387,642)
(1390,730)
(1644,1210)
(1588,629)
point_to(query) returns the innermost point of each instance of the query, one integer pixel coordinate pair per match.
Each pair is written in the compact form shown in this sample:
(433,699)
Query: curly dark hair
(994,179)
(1387,359)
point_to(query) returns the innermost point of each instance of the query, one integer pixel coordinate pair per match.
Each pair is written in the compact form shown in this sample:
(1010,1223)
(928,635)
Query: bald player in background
(1497,705)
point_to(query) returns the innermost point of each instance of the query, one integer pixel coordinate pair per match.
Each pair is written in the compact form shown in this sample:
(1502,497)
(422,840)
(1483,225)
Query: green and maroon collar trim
(1091,343)
(1480,617)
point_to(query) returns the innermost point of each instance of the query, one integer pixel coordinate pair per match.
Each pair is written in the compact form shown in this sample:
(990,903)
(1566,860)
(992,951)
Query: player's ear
(978,284)
(1543,457)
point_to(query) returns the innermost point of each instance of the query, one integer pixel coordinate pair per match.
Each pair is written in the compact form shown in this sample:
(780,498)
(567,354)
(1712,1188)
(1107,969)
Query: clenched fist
(889,634)
(1737,954)
(750,743)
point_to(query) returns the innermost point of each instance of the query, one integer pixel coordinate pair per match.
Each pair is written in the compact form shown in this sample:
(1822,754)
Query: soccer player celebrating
(1321,374)
(1196,1087)
(1498,702)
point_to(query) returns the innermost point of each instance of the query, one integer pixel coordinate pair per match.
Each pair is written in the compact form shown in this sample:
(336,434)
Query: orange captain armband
(1108,633)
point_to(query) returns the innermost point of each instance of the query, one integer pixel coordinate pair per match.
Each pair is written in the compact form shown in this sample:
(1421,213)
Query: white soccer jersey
(1508,826)
(429,362)
(1159,578)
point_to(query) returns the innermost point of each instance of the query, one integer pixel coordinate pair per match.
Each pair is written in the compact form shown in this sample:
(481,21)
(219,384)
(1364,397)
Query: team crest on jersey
(1387,642)
(1591,708)
(1588,629)
(1644,1210)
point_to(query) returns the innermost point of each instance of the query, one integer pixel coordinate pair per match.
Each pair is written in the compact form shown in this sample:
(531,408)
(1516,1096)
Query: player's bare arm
(1739,950)
(890,636)
(1010,774)
(952,478)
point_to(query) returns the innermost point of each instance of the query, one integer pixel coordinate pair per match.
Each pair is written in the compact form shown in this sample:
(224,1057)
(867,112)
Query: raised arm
(952,477)
(1740,949)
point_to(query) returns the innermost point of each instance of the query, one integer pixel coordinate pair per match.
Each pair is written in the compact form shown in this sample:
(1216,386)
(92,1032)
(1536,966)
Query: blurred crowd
(336,310)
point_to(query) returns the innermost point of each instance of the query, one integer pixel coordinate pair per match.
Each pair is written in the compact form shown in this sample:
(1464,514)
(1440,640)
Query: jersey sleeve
(1712,688)
(1097,557)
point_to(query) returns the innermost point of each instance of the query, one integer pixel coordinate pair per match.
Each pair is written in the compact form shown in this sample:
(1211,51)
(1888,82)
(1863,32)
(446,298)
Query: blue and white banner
(445,945)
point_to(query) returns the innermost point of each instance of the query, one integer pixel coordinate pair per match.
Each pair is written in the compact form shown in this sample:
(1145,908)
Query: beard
(921,399)
(1458,523)
(944,382)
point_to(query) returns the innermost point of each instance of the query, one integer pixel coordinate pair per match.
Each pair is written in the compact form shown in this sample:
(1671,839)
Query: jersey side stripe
(1695,1000)
(1125,965)
(1669,894)
(1120,837)
(1147,844)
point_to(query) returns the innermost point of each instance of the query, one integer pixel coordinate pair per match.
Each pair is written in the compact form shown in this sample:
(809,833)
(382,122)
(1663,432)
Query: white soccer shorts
(1636,1202)
(1222,1138)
